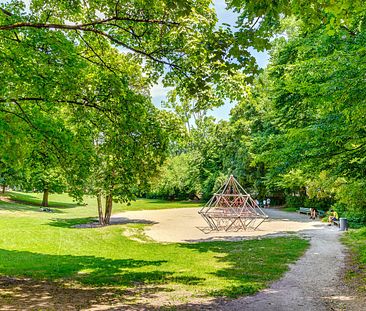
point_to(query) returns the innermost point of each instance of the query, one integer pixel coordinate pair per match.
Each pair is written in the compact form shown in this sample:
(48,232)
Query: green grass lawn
(64,200)
(44,246)
(356,242)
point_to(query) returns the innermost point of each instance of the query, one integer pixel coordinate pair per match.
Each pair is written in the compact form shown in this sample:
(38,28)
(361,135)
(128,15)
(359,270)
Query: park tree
(128,149)
(83,61)
(104,135)
(315,106)
(85,104)
(40,152)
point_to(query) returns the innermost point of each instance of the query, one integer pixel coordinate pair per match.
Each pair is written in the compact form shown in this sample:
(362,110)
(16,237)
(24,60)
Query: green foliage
(295,201)
(259,20)
(294,181)
(351,202)
(178,178)
(314,137)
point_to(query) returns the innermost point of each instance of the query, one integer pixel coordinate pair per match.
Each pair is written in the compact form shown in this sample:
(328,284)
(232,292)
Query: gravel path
(312,283)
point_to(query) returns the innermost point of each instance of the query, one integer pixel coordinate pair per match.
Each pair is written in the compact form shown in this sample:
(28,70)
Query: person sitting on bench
(333,216)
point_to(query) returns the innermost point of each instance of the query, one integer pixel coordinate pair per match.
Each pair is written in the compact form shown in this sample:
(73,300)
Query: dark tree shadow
(65,282)
(73,222)
(92,222)
(15,206)
(29,199)
(28,294)
(90,270)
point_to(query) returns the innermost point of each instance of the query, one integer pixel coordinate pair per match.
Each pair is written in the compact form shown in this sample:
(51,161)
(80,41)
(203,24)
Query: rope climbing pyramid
(232,209)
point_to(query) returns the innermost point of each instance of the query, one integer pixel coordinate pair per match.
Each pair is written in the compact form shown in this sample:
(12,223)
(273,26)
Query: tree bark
(100,209)
(45,198)
(108,209)
(3,189)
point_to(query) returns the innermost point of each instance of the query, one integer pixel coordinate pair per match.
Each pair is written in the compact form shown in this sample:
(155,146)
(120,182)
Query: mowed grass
(64,200)
(356,242)
(45,246)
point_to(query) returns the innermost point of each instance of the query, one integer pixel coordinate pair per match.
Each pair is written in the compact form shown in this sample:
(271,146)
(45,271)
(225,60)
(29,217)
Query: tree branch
(96,54)
(84,27)
(6,12)
(79,26)
(84,103)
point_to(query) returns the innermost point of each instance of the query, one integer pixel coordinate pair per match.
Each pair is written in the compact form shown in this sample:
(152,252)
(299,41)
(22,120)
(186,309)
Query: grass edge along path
(355,240)
(43,247)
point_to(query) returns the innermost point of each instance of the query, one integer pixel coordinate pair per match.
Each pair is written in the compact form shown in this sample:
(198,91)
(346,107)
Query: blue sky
(158,92)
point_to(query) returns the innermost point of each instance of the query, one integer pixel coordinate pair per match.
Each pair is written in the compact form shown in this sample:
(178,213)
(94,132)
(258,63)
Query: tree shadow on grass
(29,199)
(248,267)
(15,206)
(87,270)
(252,264)
(92,222)
(74,222)
(33,281)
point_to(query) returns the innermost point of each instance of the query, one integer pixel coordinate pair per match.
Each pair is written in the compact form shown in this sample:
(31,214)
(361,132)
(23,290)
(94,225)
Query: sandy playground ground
(185,225)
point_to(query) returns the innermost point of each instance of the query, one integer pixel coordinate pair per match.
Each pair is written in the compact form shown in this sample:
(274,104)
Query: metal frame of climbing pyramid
(232,209)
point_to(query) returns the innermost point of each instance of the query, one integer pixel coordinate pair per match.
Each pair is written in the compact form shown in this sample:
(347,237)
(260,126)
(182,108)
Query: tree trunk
(100,209)
(3,189)
(108,209)
(45,198)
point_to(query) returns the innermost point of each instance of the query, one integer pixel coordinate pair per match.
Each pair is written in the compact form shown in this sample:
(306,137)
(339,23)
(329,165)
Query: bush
(320,204)
(356,219)
(295,201)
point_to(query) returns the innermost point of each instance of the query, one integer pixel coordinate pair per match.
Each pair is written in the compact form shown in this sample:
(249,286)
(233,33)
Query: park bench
(304,210)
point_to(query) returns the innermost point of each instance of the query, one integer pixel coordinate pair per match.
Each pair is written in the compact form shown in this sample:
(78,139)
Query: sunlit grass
(41,245)
(64,200)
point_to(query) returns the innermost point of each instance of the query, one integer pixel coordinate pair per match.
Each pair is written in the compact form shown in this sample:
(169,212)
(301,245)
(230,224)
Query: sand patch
(186,225)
